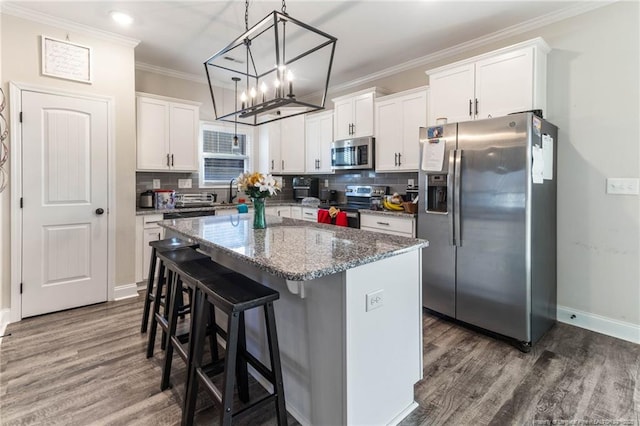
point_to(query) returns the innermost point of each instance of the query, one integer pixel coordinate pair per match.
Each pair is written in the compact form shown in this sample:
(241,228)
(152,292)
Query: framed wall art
(63,59)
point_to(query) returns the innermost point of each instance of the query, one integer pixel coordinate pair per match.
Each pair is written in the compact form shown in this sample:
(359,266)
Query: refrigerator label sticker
(434,132)
(433,155)
(537,166)
(537,125)
(547,150)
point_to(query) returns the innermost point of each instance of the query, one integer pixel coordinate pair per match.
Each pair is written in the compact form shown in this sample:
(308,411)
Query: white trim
(599,324)
(4,321)
(168,99)
(15,90)
(125,291)
(404,413)
(168,72)
(21,12)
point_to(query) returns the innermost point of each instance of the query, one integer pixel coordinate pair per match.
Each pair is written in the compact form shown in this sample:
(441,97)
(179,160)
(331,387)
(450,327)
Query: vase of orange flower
(258,187)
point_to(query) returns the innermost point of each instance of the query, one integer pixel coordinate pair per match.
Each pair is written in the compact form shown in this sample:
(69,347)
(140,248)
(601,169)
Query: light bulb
(263,87)
(276,83)
(243,97)
(252,92)
(289,76)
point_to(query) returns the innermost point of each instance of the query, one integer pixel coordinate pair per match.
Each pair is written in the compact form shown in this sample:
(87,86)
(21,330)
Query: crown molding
(532,24)
(168,72)
(11,8)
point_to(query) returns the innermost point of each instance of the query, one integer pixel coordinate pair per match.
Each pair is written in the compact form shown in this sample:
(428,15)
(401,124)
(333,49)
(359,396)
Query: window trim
(224,127)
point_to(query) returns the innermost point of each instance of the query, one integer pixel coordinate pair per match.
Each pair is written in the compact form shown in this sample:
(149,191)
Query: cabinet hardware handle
(282,164)
(383,223)
(271,164)
(309,214)
(470,103)
(158,235)
(353,129)
(167,160)
(395,158)
(399,159)
(171,160)
(476,107)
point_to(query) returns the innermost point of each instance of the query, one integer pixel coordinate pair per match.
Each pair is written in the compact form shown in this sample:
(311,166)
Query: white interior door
(64,234)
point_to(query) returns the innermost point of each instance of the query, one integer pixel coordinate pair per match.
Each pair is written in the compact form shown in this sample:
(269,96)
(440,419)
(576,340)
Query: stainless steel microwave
(353,154)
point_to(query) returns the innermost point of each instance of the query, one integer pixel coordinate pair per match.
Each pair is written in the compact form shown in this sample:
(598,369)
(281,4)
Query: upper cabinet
(319,135)
(491,85)
(398,119)
(282,146)
(353,115)
(167,134)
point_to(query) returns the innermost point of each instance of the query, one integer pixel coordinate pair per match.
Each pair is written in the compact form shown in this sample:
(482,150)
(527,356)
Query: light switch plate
(326,183)
(184,183)
(156,184)
(410,182)
(375,300)
(623,186)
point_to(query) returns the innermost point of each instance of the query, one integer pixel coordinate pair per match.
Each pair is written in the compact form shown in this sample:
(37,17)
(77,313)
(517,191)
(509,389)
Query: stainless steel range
(358,197)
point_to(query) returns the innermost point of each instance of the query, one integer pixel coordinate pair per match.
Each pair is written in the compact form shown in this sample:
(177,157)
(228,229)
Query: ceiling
(372,35)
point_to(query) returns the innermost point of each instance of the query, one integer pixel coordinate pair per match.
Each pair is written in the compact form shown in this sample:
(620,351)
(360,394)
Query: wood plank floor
(88,366)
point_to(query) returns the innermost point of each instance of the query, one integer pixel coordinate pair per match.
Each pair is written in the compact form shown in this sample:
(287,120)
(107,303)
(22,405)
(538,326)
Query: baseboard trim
(599,324)
(125,291)
(4,321)
(404,413)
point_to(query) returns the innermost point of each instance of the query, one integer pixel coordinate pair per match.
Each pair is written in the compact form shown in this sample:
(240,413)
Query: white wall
(113,64)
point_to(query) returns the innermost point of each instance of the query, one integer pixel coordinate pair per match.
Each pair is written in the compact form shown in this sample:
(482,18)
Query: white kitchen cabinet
(147,230)
(167,134)
(282,146)
(353,115)
(319,135)
(310,214)
(495,84)
(389,224)
(296,212)
(281,211)
(398,119)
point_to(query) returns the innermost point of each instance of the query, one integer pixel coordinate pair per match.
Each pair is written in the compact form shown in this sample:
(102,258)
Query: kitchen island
(349,316)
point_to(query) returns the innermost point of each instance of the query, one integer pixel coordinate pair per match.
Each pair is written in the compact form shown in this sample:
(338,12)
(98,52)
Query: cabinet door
(363,113)
(152,134)
(388,134)
(296,212)
(271,144)
(452,94)
(292,144)
(312,144)
(149,234)
(342,119)
(504,84)
(310,214)
(183,136)
(414,115)
(324,144)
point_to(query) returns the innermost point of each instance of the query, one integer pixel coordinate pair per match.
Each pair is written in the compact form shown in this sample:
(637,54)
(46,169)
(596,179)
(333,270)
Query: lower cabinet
(310,214)
(147,230)
(296,212)
(282,211)
(388,224)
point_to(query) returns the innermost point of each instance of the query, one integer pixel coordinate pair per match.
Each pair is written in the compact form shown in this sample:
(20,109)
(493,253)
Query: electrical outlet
(326,183)
(623,186)
(156,184)
(410,182)
(184,183)
(375,300)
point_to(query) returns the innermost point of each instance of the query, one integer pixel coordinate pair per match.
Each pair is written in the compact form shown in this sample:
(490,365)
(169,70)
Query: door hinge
(21,202)
(21,116)
(20,288)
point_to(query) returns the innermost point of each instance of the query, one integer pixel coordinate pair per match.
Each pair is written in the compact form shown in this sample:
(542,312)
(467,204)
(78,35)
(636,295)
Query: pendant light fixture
(283,66)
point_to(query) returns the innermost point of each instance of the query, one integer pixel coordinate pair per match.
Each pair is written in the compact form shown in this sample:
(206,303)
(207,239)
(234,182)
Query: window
(220,161)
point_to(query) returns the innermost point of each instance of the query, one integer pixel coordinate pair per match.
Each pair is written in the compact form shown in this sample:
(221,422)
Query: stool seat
(180,255)
(201,269)
(237,293)
(172,243)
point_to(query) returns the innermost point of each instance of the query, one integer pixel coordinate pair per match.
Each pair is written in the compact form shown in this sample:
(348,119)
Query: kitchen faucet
(231,196)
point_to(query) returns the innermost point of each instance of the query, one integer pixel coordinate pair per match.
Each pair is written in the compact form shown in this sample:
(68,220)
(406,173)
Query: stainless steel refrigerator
(488,208)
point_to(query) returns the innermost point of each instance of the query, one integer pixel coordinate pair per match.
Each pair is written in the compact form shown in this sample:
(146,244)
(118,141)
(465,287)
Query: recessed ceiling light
(121,18)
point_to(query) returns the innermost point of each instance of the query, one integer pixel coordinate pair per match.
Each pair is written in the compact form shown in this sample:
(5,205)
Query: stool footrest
(259,403)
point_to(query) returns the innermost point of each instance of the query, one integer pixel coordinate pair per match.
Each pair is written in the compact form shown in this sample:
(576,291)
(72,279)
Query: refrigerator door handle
(452,213)
(457,210)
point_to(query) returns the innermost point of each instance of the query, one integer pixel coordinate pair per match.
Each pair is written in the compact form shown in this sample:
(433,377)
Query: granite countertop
(142,211)
(292,249)
(388,213)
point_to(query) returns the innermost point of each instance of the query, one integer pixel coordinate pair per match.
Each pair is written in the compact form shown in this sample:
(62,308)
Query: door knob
(99,211)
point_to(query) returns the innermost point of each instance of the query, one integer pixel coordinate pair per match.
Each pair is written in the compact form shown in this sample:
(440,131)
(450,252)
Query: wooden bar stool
(233,294)
(168,258)
(186,275)
(157,246)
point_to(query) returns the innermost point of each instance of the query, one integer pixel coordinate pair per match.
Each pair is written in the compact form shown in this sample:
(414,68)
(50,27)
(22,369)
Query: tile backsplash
(397,182)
